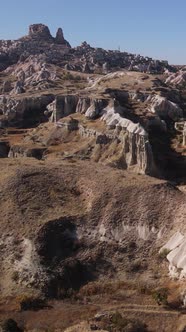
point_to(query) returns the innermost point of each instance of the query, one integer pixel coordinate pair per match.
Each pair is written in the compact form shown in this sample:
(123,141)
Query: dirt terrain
(116,222)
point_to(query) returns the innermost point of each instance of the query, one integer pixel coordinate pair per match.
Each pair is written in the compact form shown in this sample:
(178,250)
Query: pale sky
(150,28)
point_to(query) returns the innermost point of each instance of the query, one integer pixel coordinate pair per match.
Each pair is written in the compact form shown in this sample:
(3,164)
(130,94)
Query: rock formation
(175,250)
(59,39)
(165,108)
(23,110)
(84,57)
(40,32)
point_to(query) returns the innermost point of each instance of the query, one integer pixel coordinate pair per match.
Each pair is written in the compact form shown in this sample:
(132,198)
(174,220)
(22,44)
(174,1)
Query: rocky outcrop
(62,106)
(33,73)
(165,108)
(59,36)
(102,61)
(25,110)
(136,148)
(39,31)
(42,33)
(38,42)
(65,105)
(178,79)
(59,39)
(175,249)
(18,151)
(82,105)
(82,58)
(95,108)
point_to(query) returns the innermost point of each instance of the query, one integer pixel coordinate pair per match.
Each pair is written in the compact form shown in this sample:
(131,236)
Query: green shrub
(77,78)
(163,253)
(160,296)
(68,76)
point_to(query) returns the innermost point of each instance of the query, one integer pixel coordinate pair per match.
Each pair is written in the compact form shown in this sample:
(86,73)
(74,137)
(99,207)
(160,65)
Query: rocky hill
(92,199)
(82,58)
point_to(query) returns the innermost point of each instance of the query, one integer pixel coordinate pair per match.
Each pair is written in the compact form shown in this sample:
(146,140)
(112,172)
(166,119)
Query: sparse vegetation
(161,296)
(15,276)
(163,253)
(136,266)
(67,76)
(32,303)
(118,323)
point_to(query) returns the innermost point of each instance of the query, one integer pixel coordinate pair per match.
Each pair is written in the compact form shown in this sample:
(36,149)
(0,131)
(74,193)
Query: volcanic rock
(39,31)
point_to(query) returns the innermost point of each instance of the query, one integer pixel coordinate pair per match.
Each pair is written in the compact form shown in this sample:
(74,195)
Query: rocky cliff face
(129,133)
(136,149)
(23,111)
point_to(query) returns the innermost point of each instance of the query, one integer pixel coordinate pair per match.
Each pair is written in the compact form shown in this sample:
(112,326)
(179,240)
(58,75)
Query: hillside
(92,199)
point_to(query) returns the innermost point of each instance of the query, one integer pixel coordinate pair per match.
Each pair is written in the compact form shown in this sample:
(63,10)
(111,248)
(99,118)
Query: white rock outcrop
(176,248)
(136,153)
(62,106)
(177,79)
(95,109)
(136,147)
(165,108)
(13,110)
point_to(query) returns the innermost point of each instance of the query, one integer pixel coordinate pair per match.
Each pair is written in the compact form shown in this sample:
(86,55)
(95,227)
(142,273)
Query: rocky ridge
(82,58)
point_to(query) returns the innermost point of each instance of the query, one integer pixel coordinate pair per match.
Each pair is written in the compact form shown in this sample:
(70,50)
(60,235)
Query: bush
(30,303)
(143,288)
(68,76)
(160,296)
(77,78)
(163,253)
(15,276)
(118,323)
(10,325)
(136,266)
